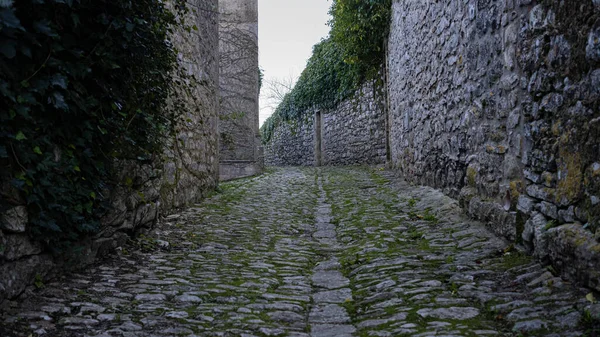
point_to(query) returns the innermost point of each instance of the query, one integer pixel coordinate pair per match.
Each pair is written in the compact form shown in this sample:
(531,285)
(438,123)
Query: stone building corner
(239,139)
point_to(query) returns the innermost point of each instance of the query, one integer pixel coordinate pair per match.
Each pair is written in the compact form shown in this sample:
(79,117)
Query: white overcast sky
(287,30)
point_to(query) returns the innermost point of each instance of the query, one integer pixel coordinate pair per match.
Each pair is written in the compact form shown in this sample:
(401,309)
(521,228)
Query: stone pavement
(310,252)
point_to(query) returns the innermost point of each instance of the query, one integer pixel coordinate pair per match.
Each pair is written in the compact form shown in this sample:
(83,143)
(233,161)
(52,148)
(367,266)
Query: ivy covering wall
(83,84)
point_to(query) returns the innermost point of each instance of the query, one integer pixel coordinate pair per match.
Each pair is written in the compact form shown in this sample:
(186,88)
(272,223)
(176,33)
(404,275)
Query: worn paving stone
(333,296)
(330,279)
(453,313)
(332,330)
(329,313)
(309,252)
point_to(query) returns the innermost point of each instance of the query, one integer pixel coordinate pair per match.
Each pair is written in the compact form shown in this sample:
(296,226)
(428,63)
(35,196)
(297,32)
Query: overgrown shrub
(83,83)
(361,28)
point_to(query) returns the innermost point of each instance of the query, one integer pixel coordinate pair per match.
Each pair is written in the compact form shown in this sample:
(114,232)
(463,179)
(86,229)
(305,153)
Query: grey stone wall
(292,143)
(352,133)
(496,103)
(187,169)
(239,85)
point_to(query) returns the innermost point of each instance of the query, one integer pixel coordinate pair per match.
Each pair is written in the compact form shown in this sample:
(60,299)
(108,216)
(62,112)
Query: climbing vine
(353,53)
(361,28)
(83,84)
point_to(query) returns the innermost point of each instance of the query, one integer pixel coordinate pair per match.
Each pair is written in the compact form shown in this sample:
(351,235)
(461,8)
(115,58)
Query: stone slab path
(309,252)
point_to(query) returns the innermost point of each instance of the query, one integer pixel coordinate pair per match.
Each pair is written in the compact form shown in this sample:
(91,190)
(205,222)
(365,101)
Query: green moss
(550,224)
(428,216)
(471,176)
(515,188)
(569,184)
(514,259)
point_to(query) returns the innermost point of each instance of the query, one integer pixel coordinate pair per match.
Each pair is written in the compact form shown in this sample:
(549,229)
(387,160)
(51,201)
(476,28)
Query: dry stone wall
(292,143)
(354,133)
(496,103)
(179,176)
(351,133)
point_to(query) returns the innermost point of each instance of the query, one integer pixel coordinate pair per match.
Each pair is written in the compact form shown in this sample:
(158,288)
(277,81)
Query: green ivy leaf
(590,297)
(77,169)
(20,136)
(37,150)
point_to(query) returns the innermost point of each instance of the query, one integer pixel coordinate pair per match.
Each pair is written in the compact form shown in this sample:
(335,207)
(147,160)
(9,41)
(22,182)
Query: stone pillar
(239,140)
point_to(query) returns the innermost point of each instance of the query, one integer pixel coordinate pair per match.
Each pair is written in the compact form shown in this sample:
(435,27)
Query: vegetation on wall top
(83,83)
(353,53)
(361,28)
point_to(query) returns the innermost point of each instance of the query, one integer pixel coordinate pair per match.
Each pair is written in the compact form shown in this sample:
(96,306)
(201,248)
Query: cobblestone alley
(309,252)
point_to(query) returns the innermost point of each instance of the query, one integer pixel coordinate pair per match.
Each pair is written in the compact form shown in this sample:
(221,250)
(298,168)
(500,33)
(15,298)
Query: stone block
(534,234)
(14,220)
(592,48)
(566,215)
(541,192)
(17,246)
(536,17)
(498,220)
(16,275)
(525,204)
(552,102)
(548,209)
(576,254)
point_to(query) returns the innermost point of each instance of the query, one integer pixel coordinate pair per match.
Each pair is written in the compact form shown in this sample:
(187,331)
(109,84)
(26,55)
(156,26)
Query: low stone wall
(188,168)
(352,133)
(496,103)
(292,143)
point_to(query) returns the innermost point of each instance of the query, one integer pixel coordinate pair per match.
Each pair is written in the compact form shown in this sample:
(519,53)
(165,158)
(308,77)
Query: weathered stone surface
(329,279)
(329,313)
(332,330)
(534,232)
(14,276)
(333,296)
(593,45)
(14,220)
(576,252)
(351,133)
(151,297)
(16,246)
(412,263)
(454,313)
(500,116)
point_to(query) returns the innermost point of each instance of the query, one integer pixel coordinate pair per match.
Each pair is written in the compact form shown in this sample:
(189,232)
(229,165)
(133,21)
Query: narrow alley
(309,252)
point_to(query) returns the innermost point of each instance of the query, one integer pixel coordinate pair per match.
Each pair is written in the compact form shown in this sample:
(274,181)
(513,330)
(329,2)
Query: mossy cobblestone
(309,252)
